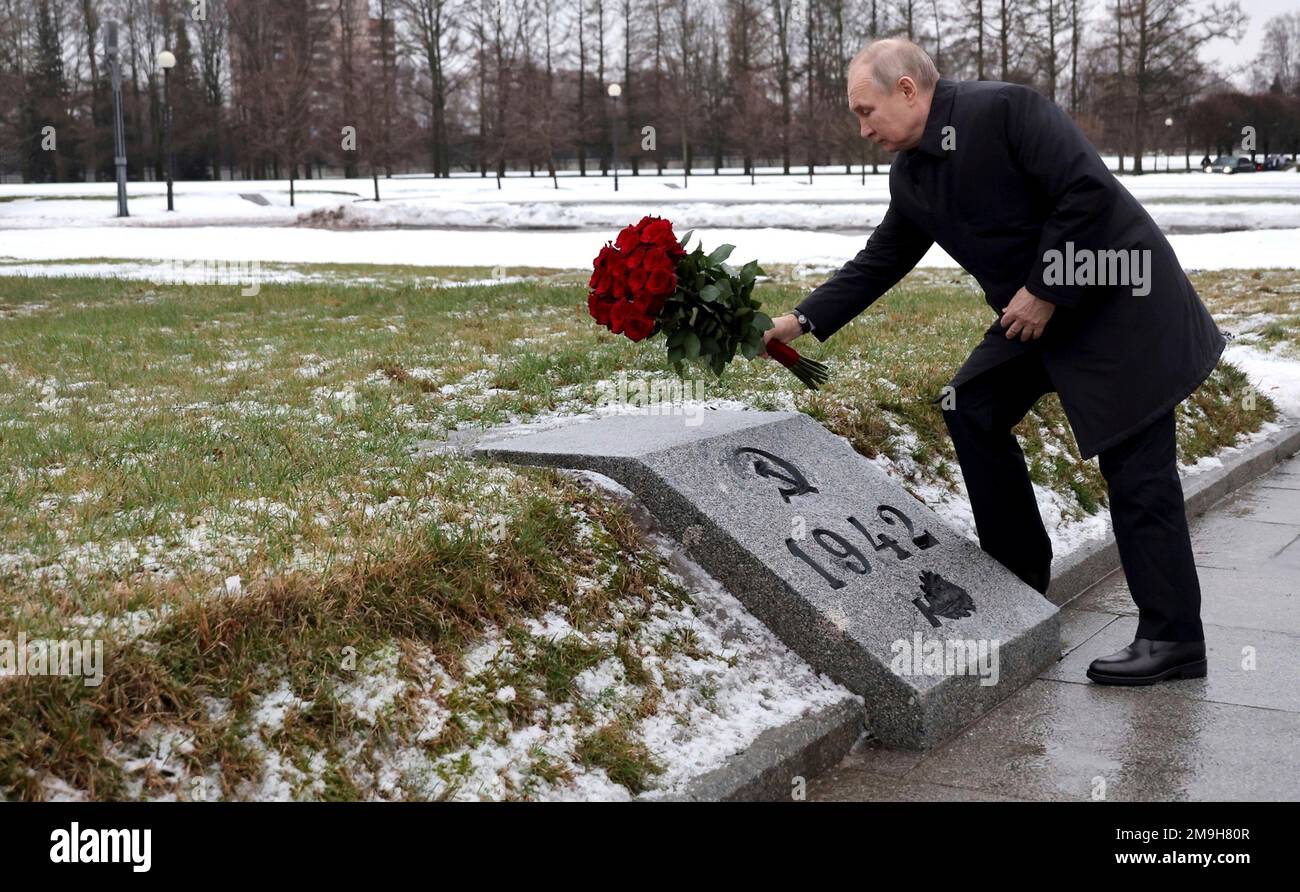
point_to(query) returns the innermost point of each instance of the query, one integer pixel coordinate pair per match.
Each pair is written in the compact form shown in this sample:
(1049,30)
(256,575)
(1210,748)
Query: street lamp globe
(615,91)
(167,61)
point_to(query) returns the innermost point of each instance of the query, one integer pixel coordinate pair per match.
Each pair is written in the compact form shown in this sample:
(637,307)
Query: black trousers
(1141,473)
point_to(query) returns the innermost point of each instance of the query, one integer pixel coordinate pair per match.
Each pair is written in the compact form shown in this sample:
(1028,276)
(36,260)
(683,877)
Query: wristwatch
(804,322)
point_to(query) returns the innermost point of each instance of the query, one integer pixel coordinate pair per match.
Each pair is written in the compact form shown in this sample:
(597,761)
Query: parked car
(1231,164)
(1275,162)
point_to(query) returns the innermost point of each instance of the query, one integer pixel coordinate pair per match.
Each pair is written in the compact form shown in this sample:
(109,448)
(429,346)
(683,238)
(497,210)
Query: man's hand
(1026,316)
(784,328)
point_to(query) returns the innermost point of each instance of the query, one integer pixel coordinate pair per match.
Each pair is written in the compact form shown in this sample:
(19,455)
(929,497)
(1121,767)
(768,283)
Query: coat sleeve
(893,249)
(1054,154)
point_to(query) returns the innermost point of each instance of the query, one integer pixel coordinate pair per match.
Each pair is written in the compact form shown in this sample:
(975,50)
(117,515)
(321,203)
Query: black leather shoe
(1147,662)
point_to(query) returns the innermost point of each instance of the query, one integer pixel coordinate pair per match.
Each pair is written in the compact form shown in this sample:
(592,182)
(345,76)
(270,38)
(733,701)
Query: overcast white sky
(1234,56)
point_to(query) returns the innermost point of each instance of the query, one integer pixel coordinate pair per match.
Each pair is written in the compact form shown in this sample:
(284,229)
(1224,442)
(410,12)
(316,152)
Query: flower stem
(811,372)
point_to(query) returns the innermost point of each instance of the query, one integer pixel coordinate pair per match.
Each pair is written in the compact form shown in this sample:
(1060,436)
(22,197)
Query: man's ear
(908,86)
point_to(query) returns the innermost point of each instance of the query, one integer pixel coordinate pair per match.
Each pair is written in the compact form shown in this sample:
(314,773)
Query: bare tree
(279,88)
(429,23)
(212,32)
(784,67)
(744,69)
(495,84)
(683,68)
(1052,23)
(1077,9)
(1166,38)
(1278,63)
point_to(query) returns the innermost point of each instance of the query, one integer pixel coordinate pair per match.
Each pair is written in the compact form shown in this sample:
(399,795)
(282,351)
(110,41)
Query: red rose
(660,282)
(634,257)
(619,310)
(628,239)
(627,318)
(609,274)
(645,222)
(637,326)
(659,232)
(649,304)
(636,280)
(657,258)
(599,306)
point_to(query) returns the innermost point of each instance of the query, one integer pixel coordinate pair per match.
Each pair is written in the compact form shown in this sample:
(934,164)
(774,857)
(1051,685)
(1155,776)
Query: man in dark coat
(1090,301)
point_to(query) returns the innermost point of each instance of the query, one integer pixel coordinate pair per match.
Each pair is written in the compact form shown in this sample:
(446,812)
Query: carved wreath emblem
(945,598)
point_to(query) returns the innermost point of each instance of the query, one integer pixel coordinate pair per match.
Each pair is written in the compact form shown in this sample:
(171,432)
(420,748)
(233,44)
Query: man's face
(893,119)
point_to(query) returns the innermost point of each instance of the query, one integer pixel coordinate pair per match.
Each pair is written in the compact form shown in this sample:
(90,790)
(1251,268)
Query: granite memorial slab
(854,574)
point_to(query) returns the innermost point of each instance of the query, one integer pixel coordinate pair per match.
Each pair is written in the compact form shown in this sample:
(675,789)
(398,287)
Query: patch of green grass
(1277,332)
(621,755)
(439,589)
(1240,297)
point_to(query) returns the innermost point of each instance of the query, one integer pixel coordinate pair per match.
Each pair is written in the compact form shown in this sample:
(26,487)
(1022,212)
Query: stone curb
(766,770)
(1090,564)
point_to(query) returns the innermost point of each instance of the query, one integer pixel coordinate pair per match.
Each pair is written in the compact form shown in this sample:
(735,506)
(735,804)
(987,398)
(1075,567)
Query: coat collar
(940,116)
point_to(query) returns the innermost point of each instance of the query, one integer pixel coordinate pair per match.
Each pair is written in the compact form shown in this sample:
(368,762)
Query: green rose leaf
(691,345)
(721,253)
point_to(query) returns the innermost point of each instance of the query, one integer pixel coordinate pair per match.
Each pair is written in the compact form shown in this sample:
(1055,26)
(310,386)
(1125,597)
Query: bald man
(1090,302)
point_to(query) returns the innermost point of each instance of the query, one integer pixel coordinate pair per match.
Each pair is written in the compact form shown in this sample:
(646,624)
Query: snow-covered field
(1259,249)
(1217,221)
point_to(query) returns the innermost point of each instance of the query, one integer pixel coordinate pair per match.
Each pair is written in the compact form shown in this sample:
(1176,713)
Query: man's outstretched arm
(896,246)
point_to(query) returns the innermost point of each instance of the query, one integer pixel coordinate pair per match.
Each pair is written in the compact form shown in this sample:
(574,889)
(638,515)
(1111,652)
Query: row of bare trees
(304,88)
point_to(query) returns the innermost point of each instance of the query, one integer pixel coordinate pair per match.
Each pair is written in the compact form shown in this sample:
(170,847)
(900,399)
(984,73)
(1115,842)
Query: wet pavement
(1234,735)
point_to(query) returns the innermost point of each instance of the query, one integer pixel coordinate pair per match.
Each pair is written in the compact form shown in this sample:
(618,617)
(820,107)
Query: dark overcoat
(1006,183)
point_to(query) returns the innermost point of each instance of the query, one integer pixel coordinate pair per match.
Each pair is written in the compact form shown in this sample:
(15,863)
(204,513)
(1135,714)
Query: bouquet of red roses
(645,283)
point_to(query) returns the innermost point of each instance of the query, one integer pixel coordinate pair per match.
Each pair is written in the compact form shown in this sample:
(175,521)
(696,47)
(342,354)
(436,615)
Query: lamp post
(119,133)
(615,91)
(1169,122)
(166,61)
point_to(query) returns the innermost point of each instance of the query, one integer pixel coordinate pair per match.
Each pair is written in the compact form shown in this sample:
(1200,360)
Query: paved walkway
(1233,735)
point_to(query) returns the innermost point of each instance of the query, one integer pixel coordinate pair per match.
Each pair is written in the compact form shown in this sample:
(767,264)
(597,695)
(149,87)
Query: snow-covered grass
(304,593)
